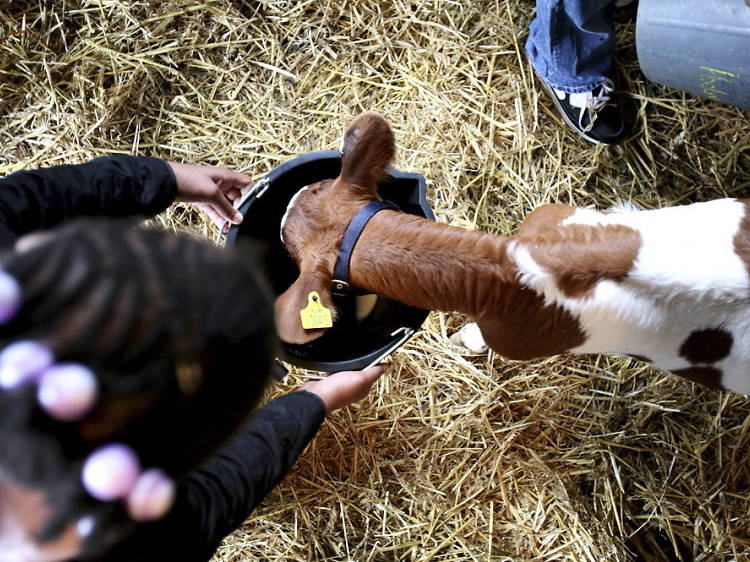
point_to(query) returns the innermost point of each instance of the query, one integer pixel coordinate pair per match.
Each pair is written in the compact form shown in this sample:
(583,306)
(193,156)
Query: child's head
(179,337)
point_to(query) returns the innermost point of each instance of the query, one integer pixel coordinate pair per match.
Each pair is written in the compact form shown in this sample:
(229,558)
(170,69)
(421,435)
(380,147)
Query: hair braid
(141,308)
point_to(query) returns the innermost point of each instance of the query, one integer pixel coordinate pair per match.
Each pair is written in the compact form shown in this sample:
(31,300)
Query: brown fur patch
(294,299)
(707,346)
(707,376)
(579,256)
(439,267)
(527,328)
(369,147)
(539,221)
(316,223)
(640,358)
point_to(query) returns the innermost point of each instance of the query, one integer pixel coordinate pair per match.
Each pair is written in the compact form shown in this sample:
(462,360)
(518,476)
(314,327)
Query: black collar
(340,282)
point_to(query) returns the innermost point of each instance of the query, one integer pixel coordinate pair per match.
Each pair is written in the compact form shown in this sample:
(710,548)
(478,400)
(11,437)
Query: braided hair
(178,333)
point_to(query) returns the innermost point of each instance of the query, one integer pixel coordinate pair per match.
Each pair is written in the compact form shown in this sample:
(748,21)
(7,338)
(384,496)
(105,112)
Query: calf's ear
(369,148)
(294,300)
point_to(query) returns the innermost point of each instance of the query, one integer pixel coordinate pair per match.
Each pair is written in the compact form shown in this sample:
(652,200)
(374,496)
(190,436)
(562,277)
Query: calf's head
(319,214)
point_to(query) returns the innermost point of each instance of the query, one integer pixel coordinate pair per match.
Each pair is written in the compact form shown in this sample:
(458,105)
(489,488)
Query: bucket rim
(399,336)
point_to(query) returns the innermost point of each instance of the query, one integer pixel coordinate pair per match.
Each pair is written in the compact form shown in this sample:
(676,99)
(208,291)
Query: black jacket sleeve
(218,497)
(112,186)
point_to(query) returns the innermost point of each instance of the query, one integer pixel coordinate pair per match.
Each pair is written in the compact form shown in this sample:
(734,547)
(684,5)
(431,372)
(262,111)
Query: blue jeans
(571,43)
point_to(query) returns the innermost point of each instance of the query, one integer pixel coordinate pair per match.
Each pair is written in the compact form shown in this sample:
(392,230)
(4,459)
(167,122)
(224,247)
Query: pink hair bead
(67,391)
(23,362)
(110,472)
(10,297)
(152,496)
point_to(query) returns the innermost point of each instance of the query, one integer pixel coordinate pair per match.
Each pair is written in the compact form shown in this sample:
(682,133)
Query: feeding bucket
(700,46)
(352,343)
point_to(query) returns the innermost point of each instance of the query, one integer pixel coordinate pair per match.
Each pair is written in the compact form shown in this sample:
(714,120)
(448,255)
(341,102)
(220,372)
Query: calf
(667,286)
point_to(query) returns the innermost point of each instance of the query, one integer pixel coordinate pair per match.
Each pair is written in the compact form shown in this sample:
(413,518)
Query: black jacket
(113,186)
(216,498)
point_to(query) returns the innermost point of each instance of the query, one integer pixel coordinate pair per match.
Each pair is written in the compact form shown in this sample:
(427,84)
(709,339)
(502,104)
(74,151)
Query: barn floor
(452,457)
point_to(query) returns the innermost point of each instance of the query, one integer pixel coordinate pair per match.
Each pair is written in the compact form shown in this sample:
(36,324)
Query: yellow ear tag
(315,315)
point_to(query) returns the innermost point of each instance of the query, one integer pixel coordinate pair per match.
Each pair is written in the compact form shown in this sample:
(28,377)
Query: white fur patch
(686,277)
(625,207)
(688,248)
(289,206)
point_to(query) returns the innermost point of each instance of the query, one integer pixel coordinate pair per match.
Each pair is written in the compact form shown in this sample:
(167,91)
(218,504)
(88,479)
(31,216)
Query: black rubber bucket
(350,344)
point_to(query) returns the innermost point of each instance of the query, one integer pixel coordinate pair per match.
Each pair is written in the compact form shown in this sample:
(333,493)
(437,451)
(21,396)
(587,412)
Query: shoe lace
(596,99)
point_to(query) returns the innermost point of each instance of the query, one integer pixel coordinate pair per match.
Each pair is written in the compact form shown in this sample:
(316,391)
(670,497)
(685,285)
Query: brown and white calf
(668,286)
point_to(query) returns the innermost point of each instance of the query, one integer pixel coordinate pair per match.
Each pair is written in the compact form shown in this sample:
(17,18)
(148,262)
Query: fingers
(212,214)
(359,383)
(230,177)
(214,190)
(341,389)
(233,194)
(364,382)
(223,207)
(231,185)
(369,376)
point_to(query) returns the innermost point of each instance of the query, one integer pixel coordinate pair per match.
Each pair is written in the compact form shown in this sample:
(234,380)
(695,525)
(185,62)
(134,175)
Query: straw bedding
(452,457)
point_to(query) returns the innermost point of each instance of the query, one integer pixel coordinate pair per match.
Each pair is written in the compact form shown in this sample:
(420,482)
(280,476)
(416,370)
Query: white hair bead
(10,296)
(152,496)
(85,526)
(23,362)
(67,391)
(110,472)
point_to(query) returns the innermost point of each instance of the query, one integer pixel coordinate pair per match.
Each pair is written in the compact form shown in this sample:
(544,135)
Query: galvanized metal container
(700,46)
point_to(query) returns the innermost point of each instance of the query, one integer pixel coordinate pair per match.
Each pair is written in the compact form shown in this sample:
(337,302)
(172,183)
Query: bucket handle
(407,333)
(258,189)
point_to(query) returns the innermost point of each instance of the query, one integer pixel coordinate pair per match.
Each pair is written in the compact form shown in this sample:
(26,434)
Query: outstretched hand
(341,389)
(214,190)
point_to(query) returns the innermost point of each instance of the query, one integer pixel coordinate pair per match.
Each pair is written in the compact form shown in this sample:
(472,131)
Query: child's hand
(341,389)
(214,190)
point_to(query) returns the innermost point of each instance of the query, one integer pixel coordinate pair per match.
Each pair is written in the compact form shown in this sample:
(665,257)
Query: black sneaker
(591,114)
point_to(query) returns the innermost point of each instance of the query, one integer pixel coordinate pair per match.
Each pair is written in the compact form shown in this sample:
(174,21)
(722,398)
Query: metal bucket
(700,46)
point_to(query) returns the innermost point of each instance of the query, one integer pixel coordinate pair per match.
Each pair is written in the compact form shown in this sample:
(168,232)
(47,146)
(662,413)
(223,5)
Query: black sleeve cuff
(111,186)
(140,184)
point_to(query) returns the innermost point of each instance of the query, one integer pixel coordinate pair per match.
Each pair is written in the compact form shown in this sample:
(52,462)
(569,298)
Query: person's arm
(217,498)
(228,487)
(114,186)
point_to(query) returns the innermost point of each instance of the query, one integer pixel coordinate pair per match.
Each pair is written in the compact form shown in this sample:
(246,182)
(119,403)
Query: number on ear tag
(315,315)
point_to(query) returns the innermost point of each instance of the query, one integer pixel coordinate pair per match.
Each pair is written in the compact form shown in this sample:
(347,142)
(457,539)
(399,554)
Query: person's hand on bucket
(213,190)
(341,389)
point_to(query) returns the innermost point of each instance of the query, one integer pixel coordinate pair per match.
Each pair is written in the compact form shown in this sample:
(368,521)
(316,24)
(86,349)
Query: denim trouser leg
(571,42)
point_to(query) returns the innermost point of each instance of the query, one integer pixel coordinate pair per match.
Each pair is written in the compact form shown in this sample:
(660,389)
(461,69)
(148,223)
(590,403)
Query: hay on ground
(452,457)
